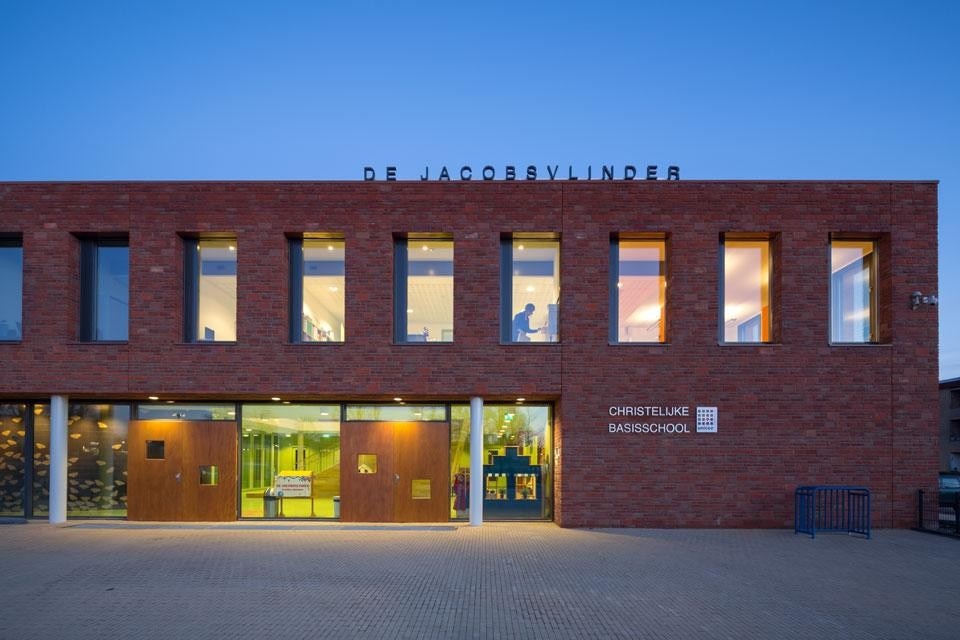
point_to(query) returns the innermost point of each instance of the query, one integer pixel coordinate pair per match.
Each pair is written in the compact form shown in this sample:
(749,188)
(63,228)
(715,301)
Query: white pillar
(476,462)
(58,459)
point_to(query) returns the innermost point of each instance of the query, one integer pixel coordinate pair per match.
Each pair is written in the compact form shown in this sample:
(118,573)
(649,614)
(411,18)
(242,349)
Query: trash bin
(336,506)
(270,504)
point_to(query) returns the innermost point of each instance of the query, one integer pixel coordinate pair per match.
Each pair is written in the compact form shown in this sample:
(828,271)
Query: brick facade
(798,411)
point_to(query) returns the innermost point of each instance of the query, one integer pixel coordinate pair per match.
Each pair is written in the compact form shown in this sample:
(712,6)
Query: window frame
(401,272)
(613,326)
(507,240)
(15,241)
(296,289)
(874,292)
(89,271)
(191,287)
(772,241)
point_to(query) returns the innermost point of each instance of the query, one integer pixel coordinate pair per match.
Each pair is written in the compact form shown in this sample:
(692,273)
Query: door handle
(178,476)
(396,477)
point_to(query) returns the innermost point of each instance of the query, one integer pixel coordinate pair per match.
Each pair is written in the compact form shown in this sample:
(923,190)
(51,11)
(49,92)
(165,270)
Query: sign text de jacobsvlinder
(532,172)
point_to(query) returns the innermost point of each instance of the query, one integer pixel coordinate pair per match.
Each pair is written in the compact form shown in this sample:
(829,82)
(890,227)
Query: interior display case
(512,486)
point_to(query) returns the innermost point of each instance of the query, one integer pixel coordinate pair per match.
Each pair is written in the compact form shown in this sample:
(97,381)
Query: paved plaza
(502,580)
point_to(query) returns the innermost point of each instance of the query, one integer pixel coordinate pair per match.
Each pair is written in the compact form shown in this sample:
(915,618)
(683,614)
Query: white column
(58,459)
(476,462)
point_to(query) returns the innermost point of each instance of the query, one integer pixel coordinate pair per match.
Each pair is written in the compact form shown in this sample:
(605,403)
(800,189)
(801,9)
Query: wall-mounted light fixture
(917,298)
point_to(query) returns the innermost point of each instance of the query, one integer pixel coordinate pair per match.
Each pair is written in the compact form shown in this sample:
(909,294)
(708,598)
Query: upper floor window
(210,290)
(853,292)
(747,270)
(317,284)
(638,289)
(423,288)
(11,288)
(530,288)
(104,289)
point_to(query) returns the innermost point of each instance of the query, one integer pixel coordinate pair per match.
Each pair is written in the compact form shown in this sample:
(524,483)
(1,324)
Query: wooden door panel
(211,444)
(154,491)
(367,497)
(423,454)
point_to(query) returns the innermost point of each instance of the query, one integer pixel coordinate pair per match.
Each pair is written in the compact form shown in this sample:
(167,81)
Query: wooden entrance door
(182,471)
(395,472)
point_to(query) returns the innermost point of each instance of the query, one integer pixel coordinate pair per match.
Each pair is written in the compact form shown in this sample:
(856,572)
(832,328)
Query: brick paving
(516,580)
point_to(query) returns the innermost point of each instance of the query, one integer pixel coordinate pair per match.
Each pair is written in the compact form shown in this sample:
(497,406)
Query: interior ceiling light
(332,288)
(153,397)
(169,401)
(398,399)
(521,399)
(329,247)
(275,399)
(232,248)
(520,247)
(425,248)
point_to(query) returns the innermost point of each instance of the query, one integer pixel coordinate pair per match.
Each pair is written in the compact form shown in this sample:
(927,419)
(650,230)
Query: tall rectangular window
(317,284)
(853,292)
(423,289)
(104,289)
(11,288)
(210,290)
(639,288)
(530,288)
(747,271)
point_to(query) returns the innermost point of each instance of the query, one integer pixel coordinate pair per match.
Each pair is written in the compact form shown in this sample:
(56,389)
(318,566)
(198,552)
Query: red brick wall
(795,412)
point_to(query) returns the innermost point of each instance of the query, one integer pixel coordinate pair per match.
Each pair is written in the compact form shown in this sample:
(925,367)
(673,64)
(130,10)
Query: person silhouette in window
(521,324)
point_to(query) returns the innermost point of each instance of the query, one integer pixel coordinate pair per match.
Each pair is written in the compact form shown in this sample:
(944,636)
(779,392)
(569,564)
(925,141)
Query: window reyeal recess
(746,307)
(423,288)
(104,289)
(638,289)
(11,288)
(530,288)
(210,290)
(317,284)
(853,292)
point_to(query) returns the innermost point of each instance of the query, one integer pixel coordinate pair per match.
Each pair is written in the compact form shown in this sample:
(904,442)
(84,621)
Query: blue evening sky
(316,90)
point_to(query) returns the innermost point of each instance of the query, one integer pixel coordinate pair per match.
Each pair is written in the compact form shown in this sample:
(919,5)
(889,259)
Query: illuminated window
(210,290)
(746,305)
(104,289)
(423,290)
(853,297)
(530,289)
(638,289)
(11,288)
(317,285)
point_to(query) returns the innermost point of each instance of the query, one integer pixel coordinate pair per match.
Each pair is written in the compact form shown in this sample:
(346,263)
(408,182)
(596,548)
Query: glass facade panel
(517,454)
(397,412)
(97,459)
(535,290)
(293,450)
(641,290)
(429,288)
(11,289)
(41,459)
(323,291)
(217,291)
(112,305)
(193,412)
(853,303)
(13,432)
(746,290)
(460,461)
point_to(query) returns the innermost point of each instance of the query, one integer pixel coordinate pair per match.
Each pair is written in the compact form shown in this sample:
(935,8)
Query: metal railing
(831,508)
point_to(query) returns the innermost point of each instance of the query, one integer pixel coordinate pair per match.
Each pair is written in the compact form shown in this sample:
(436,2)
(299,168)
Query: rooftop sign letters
(532,172)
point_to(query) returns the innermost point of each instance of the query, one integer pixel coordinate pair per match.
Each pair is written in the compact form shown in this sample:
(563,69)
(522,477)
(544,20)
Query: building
(950,424)
(695,349)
